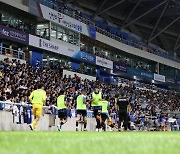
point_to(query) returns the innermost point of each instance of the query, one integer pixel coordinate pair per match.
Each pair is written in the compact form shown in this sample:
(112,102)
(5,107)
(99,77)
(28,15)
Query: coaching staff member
(122,104)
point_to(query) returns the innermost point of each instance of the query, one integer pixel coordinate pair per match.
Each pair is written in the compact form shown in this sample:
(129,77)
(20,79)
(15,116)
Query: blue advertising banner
(36,57)
(178,82)
(170,80)
(14,35)
(118,67)
(92,31)
(86,57)
(75,65)
(140,73)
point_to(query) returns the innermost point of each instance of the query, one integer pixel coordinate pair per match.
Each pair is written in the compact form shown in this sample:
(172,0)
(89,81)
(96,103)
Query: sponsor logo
(4,32)
(102,62)
(72,25)
(178,82)
(158,77)
(86,57)
(170,80)
(146,74)
(60,18)
(13,34)
(48,45)
(119,68)
(71,50)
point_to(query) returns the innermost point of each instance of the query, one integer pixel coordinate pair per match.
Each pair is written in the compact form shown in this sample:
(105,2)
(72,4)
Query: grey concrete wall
(6,124)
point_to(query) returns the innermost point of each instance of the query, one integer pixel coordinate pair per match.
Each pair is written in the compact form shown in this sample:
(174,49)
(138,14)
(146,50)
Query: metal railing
(12,53)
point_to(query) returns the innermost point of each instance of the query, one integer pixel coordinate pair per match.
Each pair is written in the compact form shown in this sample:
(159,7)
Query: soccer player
(122,110)
(38,99)
(81,109)
(95,103)
(104,113)
(62,109)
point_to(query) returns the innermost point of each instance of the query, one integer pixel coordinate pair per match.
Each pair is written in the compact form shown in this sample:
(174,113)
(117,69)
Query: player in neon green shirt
(81,109)
(104,113)
(95,103)
(62,109)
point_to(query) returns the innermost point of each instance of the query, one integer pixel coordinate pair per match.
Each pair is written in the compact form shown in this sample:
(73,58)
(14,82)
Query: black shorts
(62,113)
(123,115)
(82,112)
(104,116)
(97,110)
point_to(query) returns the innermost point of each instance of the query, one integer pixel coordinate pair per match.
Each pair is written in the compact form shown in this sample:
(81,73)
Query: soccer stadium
(89,76)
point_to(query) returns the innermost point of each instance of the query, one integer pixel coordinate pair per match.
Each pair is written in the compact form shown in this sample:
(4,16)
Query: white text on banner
(104,62)
(158,77)
(51,46)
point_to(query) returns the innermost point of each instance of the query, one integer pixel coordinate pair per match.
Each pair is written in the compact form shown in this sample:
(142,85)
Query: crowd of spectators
(18,80)
(56,65)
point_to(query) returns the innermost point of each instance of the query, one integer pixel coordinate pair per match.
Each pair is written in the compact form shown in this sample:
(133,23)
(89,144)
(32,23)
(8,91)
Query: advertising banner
(92,32)
(158,77)
(178,82)
(140,73)
(118,67)
(170,80)
(13,35)
(86,57)
(36,56)
(61,19)
(51,46)
(104,62)
(61,49)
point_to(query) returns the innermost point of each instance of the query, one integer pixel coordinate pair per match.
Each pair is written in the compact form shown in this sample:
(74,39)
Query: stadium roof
(156,21)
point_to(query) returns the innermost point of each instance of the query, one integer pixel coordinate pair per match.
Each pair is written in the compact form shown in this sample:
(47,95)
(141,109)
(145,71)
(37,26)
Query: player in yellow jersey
(96,105)
(81,109)
(38,99)
(104,112)
(62,109)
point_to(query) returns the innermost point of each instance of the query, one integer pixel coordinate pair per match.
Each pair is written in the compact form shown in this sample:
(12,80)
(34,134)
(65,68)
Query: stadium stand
(150,108)
(39,58)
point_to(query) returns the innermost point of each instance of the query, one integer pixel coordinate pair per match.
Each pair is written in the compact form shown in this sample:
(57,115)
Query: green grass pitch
(89,142)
